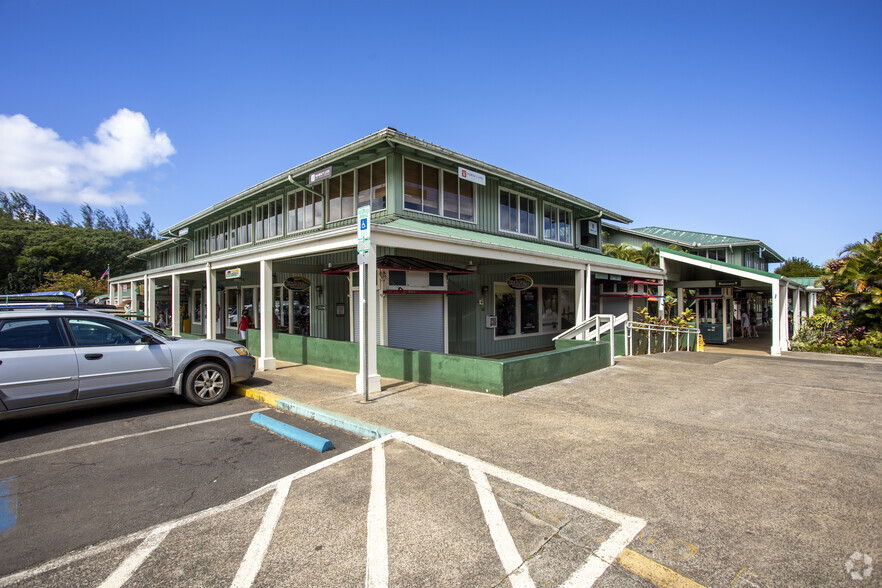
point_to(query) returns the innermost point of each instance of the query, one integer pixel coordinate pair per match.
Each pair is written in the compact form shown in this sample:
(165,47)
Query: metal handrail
(632,326)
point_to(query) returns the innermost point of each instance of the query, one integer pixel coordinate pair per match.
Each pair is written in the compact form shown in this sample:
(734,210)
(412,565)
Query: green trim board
(722,264)
(493,376)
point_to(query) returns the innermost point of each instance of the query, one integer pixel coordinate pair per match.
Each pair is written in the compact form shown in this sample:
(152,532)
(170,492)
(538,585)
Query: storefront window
(197,307)
(300,313)
(506,312)
(545,309)
(232,308)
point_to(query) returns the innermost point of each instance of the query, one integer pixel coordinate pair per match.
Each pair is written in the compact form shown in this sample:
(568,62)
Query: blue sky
(760,119)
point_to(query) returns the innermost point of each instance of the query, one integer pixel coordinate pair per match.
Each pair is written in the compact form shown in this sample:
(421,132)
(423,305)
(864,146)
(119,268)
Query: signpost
(364,248)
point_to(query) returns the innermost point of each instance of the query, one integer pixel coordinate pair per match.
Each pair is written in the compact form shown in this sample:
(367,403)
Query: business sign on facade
(472,176)
(232,274)
(319,175)
(721,283)
(183,231)
(519,282)
(297,284)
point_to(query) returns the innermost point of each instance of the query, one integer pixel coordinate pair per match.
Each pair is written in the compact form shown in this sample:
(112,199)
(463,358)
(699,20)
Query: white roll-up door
(416,321)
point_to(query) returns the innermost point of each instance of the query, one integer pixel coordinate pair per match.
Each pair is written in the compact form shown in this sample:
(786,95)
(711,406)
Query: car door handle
(94,355)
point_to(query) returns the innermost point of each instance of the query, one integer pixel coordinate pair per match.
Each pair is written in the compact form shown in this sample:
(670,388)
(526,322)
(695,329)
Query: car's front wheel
(206,383)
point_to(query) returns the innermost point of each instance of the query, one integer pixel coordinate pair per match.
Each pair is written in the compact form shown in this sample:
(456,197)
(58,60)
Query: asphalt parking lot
(83,477)
(692,469)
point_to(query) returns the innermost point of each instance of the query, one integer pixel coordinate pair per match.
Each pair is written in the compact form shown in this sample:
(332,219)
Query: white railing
(668,333)
(593,328)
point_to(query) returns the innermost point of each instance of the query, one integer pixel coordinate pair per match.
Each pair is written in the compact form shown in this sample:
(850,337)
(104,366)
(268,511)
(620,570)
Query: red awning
(403,291)
(400,262)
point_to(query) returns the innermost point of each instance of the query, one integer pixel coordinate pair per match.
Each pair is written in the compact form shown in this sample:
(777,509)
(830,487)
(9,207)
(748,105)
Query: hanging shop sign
(472,176)
(721,283)
(297,284)
(319,175)
(232,274)
(519,282)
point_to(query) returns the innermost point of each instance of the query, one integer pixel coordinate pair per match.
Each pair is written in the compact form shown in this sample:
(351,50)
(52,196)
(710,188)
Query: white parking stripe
(253,559)
(597,563)
(129,436)
(125,570)
(512,562)
(377,575)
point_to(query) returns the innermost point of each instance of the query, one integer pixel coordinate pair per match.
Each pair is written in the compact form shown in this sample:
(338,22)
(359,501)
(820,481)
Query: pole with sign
(368,379)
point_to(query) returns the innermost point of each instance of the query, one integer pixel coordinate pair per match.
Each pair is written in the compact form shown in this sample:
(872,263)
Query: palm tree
(859,275)
(620,251)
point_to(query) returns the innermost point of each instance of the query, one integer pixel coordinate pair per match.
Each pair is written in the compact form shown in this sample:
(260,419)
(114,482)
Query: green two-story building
(465,258)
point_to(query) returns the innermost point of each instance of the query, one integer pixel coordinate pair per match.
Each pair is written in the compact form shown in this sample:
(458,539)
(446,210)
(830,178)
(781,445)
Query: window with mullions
(517,213)
(432,191)
(558,226)
(305,209)
(370,181)
(269,217)
(218,240)
(201,239)
(540,309)
(240,228)
(717,254)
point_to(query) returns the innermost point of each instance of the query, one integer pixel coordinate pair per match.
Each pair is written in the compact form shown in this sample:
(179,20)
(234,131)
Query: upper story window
(372,185)
(422,187)
(218,239)
(201,239)
(341,196)
(241,228)
(432,191)
(179,253)
(589,233)
(162,258)
(517,213)
(558,224)
(717,254)
(365,185)
(269,217)
(305,209)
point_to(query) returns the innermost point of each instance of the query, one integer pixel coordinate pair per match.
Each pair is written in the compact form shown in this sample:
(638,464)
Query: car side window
(30,333)
(91,332)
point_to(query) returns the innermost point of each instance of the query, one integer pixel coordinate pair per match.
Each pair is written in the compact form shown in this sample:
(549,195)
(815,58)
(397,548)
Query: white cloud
(38,163)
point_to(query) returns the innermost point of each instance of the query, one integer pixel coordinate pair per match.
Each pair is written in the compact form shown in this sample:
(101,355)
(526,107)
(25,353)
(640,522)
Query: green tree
(799,267)
(53,281)
(857,276)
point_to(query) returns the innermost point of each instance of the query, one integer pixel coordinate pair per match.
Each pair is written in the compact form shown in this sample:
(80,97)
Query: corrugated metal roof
(383,135)
(696,239)
(722,264)
(465,235)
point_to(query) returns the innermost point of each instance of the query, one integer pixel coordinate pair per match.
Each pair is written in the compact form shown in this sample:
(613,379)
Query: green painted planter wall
(494,376)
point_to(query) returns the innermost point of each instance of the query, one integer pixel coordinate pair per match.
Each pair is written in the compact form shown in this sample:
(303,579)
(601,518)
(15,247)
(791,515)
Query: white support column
(725,302)
(775,318)
(812,302)
(147,298)
(661,303)
(133,298)
(175,314)
(266,360)
(797,311)
(580,296)
(210,298)
(588,292)
(680,305)
(368,348)
(151,290)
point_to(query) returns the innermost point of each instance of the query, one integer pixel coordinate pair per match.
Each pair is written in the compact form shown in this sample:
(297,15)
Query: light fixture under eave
(471,266)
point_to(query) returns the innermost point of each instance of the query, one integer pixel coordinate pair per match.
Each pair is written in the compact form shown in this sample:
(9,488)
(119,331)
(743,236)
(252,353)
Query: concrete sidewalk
(749,468)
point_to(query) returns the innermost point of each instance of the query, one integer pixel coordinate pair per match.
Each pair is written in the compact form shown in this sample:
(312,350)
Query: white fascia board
(727,270)
(419,240)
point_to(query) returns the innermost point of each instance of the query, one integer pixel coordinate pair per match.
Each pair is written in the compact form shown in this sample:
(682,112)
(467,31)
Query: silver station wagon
(54,358)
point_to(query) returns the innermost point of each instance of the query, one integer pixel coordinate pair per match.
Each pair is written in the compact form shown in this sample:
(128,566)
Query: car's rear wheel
(206,383)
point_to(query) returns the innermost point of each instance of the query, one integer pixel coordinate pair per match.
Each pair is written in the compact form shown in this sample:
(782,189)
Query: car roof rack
(56,299)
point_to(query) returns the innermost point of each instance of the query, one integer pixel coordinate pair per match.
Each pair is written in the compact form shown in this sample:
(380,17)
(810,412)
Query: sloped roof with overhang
(390,135)
(696,239)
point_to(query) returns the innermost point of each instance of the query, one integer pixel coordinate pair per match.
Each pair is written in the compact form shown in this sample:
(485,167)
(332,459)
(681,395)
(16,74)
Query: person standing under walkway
(745,323)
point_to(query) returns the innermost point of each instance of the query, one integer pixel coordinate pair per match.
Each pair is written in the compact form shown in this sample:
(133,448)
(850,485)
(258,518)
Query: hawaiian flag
(106,273)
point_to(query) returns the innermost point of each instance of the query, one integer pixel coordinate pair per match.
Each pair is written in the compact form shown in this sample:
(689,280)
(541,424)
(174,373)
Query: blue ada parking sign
(364,228)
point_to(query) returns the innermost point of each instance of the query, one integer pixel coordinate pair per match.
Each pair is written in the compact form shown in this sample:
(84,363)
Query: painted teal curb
(320,444)
(355,426)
